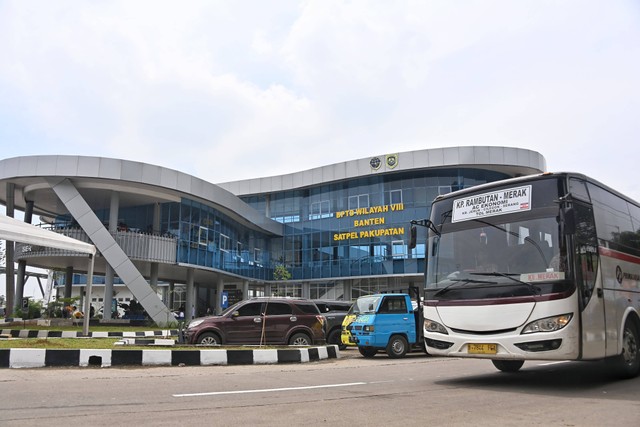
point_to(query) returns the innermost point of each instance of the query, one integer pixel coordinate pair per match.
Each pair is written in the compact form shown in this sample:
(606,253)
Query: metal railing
(137,246)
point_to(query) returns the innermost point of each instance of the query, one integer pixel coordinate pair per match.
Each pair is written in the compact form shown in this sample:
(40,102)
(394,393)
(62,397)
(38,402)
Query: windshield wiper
(463,282)
(533,289)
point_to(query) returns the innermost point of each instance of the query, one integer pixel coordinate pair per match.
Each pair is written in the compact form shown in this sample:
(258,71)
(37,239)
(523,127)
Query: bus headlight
(548,324)
(369,328)
(431,326)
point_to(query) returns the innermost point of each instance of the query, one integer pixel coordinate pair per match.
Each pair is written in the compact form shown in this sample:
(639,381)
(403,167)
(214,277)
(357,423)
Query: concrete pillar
(156,218)
(68,282)
(22,264)
(347,290)
(153,276)
(172,288)
(9,256)
(114,208)
(220,289)
(83,290)
(189,300)
(306,290)
(245,289)
(210,303)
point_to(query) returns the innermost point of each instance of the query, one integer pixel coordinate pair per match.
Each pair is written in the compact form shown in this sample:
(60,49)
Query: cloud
(231,90)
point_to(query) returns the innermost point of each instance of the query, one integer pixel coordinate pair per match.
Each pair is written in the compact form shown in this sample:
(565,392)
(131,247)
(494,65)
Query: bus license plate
(482,349)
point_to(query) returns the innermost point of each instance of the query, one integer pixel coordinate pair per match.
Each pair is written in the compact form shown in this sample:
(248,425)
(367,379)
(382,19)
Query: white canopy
(18,231)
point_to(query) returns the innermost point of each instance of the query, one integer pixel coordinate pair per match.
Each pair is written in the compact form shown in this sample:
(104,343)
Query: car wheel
(508,365)
(367,352)
(627,364)
(397,347)
(209,338)
(334,338)
(300,339)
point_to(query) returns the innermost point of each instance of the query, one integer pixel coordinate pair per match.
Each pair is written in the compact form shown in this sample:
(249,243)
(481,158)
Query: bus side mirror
(413,232)
(569,221)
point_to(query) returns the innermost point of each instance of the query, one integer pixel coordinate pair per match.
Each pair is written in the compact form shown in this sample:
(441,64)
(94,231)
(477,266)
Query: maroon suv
(278,321)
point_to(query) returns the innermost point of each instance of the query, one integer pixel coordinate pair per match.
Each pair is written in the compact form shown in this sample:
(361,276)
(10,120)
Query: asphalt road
(350,391)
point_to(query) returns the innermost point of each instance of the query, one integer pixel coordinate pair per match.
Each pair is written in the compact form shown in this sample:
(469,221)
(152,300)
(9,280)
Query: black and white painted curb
(40,358)
(34,333)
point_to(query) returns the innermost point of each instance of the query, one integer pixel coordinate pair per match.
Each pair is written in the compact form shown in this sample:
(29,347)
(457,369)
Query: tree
(281,273)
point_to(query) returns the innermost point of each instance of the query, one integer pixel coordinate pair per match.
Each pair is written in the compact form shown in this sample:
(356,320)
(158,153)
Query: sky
(229,90)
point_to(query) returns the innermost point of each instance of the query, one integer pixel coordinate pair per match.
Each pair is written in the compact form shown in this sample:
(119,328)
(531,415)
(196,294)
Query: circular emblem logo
(375,163)
(619,275)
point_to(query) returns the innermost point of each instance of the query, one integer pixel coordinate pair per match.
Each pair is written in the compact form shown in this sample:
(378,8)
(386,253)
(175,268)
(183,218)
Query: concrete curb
(41,358)
(34,333)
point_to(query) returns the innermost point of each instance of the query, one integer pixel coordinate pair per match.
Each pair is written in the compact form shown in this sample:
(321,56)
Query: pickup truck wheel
(208,338)
(300,339)
(335,339)
(508,365)
(367,352)
(397,347)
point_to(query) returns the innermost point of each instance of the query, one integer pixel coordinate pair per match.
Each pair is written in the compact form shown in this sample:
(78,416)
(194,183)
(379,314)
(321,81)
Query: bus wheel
(397,347)
(508,365)
(367,352)
(627,364)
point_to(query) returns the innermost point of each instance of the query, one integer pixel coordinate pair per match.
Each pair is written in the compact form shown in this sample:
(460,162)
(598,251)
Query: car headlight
(194,323)
(368,328)
(431,326)
(548,324)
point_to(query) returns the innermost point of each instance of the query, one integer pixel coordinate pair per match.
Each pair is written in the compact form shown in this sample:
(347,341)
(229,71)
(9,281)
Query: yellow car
(345,335)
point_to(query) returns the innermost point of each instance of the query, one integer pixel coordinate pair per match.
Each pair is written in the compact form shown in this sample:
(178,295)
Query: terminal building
(170,239)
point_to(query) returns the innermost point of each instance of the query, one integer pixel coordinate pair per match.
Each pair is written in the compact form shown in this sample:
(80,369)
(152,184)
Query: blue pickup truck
(389,322)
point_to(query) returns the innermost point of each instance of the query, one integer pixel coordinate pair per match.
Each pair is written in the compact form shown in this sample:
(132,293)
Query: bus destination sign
(500,202)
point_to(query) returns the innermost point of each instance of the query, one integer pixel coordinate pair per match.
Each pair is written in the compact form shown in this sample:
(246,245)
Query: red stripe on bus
(618,255)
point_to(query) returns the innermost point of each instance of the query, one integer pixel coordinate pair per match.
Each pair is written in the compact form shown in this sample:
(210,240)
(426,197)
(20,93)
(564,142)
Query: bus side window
(586,256)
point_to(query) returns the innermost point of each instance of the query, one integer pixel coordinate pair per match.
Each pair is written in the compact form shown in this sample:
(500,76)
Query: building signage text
(491,204)
(369,222)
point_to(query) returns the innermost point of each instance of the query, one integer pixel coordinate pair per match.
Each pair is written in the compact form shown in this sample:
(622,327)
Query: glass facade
(358,227)
(354,229)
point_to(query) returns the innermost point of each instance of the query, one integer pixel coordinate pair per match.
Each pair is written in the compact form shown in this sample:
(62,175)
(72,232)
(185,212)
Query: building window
(320,210)
(444,189)
(398,249)
(257,255)
(286,219)
(359,201)
(395,197)
(203,232)
(225,243)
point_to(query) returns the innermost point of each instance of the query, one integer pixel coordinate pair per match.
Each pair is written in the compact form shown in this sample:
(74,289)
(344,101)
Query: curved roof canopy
(18,231)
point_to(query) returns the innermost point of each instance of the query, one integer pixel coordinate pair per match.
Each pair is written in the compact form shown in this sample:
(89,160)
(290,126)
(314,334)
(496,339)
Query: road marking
(267,390)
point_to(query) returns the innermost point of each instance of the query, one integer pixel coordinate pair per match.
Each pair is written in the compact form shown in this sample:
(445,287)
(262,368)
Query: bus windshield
(514,254)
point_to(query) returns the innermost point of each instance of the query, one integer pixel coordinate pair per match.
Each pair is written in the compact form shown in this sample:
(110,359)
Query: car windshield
(365,305)
(230,309)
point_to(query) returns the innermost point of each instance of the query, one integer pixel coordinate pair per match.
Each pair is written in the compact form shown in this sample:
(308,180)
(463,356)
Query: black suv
(334,313)
(257,321)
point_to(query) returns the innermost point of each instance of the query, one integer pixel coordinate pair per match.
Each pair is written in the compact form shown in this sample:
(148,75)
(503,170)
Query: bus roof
(525,178)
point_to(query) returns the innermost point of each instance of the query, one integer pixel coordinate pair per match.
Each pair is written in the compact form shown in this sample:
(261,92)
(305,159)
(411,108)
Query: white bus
(542,267)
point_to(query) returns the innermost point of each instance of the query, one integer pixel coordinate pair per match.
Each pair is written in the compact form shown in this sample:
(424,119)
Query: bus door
(591,302)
